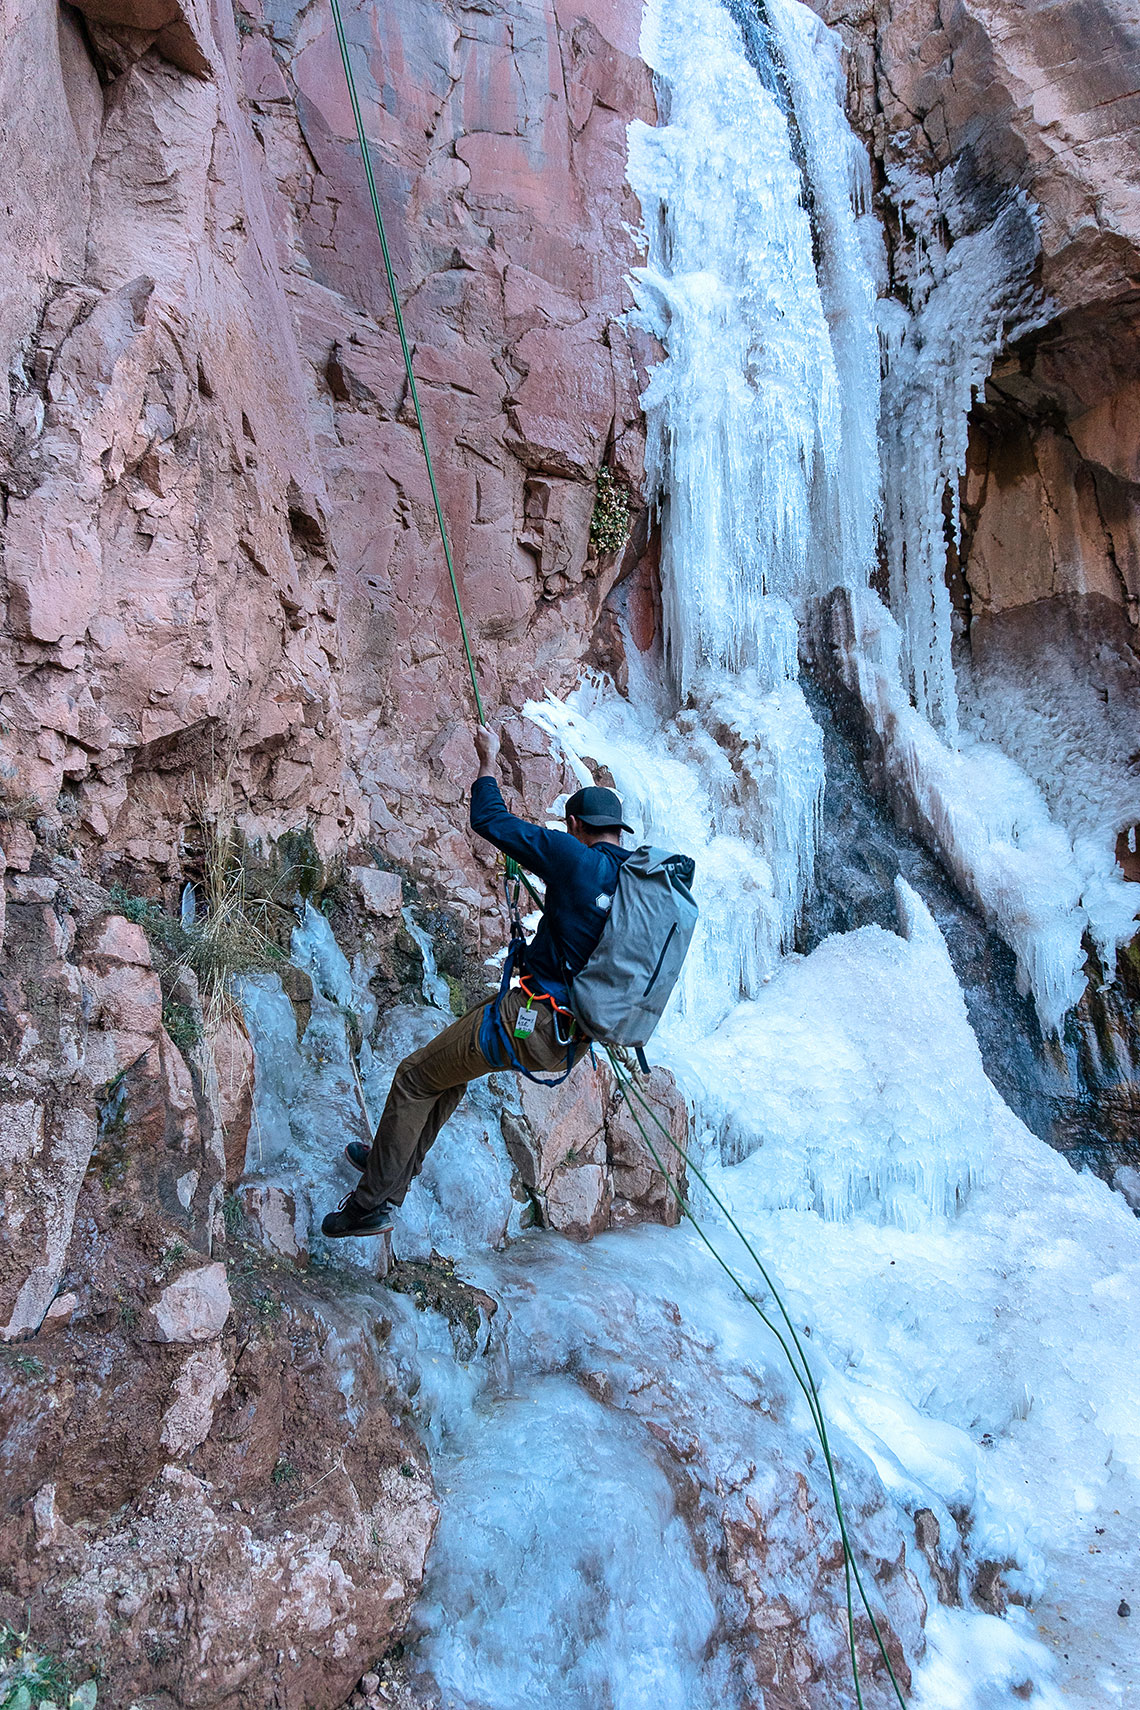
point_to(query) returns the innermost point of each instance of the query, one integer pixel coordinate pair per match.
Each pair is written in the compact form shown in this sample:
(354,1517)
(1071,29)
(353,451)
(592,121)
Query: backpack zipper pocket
(660,960)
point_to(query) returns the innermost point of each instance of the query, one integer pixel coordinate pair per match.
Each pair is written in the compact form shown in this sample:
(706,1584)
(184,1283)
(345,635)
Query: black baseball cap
(597,807)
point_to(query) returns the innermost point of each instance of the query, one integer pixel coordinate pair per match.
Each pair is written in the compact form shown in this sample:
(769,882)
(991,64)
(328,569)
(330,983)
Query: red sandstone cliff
(222,588)
(219,547)
(223,585)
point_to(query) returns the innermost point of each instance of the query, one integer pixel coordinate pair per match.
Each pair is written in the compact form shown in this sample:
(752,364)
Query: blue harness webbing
(494,1035)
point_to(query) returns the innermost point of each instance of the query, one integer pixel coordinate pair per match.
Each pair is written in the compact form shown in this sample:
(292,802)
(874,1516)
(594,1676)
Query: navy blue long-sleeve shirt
(579,885)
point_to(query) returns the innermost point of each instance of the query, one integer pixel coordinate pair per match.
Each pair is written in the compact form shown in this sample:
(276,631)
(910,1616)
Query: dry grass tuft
(229,932)
(233,934)
(13,805)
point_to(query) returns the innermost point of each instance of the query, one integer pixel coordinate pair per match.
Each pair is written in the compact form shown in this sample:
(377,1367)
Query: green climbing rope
(798,1360)
(396,310)
(788,1338)
(789,1341)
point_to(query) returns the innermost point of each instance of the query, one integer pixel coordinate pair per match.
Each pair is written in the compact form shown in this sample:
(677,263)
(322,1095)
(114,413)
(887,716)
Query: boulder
(120,940)
(581,1153)
(60,1313)
(382,893)
(557,1144)
(278,1217)
(641,1194)
(194,1307)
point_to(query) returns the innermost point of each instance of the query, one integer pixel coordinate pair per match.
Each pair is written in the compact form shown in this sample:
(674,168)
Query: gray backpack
(618,997)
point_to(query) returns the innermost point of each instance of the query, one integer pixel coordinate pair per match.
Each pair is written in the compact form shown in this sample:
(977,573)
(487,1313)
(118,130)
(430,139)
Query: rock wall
(1041,101)
(172,1520)
(224,602)
(220,560)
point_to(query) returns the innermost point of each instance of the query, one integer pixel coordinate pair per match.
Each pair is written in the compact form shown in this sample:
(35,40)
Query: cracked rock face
(208,1493)
(980,103)
(219,543)
(272,1568)
(223,592)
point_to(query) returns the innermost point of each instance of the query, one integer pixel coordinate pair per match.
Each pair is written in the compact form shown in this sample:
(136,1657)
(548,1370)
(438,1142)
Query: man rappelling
(529,1025)
(615,927)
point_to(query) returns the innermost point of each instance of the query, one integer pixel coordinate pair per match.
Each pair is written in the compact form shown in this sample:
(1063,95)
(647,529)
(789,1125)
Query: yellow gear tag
(524,1022)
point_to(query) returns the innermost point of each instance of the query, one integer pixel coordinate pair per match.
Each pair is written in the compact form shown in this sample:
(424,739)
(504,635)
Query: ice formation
(1063,706)
(762,428)
(967,297)
(983,816)
(846,1093)
(307,1105)
(435,987)
(1041,882)
(965,1296)
(764,451)
(1001,800)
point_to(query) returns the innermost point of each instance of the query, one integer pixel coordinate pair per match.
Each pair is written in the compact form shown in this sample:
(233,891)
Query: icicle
(745,417)
(966,300)
(435,988)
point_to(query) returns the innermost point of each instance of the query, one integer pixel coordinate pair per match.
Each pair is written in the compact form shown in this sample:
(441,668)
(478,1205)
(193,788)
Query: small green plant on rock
(609,525)
(172,1257)
(28,1366)
(29,1677)
(181,1023)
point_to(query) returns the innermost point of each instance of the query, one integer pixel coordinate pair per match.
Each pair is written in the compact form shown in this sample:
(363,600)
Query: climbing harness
(787,1336)
(558,1009)
(495,1031)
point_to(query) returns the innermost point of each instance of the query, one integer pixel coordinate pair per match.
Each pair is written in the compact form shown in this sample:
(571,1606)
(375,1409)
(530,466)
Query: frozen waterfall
(625,1454)
(757,420)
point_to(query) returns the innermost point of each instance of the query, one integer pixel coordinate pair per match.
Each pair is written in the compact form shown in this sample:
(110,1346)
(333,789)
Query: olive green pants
(429,1084)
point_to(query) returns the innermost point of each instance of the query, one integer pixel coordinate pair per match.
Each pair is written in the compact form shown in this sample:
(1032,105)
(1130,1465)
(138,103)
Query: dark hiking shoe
(357,1153)
(352,1219)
